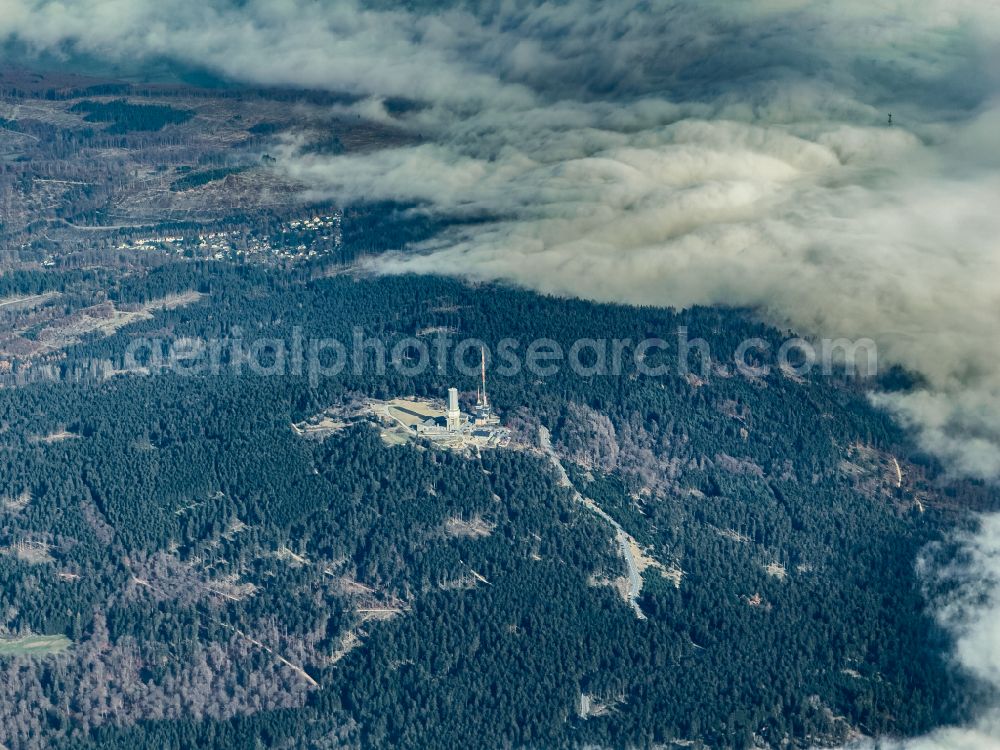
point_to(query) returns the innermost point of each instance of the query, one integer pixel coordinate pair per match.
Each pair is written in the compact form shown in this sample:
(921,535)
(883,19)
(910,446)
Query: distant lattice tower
(454,415)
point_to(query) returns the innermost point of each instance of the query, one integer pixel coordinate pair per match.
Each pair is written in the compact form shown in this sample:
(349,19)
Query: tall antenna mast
(482,368)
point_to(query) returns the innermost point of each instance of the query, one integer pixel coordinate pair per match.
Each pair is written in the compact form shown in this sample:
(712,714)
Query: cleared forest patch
(34,645)
(473,528)
(16,504)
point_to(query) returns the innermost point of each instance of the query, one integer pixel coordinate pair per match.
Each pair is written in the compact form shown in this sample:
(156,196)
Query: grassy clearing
(38,645)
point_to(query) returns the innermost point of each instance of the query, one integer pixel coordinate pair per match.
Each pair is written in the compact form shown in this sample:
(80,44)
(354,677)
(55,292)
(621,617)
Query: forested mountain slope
(225,581)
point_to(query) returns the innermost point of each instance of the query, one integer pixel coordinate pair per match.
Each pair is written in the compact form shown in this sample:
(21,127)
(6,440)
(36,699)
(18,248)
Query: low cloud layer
(672,152)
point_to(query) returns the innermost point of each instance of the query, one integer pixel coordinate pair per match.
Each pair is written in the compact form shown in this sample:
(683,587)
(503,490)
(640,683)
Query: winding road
(621,536)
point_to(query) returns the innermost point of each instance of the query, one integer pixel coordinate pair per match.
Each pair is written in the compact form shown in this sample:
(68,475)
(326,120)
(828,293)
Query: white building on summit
(454,415)
(450,426)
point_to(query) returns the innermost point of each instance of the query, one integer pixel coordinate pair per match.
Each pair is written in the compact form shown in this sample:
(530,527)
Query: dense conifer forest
(224,581)
(124,116)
